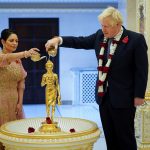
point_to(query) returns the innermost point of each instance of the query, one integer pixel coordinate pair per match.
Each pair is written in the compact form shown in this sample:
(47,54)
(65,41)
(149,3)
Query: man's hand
(138,101)
(54,42)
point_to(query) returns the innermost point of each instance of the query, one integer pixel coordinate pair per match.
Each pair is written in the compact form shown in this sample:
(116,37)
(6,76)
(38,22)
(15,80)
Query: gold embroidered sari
(11,78)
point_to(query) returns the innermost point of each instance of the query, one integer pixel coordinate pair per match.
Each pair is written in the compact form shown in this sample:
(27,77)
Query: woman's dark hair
(5,34)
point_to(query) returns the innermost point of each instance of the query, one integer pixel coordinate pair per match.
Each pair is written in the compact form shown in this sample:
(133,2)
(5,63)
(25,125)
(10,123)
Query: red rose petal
(48,120)
(31,129)
(72,130)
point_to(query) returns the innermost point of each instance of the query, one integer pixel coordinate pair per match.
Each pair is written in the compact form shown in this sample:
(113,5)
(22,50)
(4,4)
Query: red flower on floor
(125,39)
(48,120)
(72,130)
(31,129)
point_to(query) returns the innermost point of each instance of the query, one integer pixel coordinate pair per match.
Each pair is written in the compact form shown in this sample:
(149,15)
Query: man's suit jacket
(128,73)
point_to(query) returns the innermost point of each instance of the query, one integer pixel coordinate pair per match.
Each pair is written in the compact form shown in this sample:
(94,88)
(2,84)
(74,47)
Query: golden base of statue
(49,128)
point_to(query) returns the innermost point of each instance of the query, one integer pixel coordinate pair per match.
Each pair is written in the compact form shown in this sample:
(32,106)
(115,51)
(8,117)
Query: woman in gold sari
(12,77)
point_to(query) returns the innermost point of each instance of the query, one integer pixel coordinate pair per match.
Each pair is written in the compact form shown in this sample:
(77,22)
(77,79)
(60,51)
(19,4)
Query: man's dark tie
(107,51)
(108,47)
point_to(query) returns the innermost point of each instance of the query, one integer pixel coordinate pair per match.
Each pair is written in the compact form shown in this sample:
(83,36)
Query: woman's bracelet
(25,54)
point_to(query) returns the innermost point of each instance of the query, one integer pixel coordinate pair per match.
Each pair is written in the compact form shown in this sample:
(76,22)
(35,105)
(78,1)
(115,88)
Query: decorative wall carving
(141,16)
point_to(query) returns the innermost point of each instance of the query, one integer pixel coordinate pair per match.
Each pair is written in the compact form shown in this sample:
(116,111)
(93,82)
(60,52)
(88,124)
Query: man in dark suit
(122,75)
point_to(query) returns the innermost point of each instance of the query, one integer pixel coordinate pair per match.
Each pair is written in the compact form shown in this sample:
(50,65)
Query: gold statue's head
(49,65)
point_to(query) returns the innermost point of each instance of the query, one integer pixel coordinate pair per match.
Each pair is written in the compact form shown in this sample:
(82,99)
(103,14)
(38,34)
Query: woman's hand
(30,52)
(18,109)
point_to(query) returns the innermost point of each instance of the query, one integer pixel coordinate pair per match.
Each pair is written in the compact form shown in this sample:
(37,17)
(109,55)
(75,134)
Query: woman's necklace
(4,51)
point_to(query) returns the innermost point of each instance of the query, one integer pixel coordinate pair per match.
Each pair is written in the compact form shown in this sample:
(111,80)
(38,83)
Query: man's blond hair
(113,13)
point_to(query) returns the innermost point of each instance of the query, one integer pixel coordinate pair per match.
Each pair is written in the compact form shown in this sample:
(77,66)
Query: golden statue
(52,95)
(52,90)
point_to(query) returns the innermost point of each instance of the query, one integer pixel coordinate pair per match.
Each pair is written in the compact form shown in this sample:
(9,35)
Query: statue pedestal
(49,128)
(14,135)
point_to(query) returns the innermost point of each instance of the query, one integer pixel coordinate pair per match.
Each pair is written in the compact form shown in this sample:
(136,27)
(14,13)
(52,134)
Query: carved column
(138,19)
(143,23)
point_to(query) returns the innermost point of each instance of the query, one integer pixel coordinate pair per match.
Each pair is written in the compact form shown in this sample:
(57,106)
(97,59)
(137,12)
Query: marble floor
(76,111)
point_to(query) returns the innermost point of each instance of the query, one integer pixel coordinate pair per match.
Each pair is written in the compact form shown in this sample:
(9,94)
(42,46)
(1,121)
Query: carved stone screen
(87,87)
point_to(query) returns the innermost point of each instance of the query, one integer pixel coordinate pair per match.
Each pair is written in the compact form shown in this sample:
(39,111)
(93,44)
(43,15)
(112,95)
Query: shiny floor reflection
(76,111)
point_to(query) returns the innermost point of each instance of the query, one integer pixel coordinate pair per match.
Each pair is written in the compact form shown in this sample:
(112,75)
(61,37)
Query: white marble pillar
(147,33)
(143,23)
(138,19)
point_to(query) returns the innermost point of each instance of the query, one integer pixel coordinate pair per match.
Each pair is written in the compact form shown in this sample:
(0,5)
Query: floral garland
(103,70)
